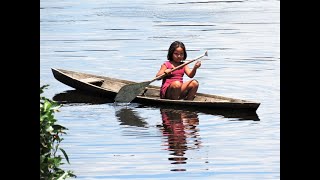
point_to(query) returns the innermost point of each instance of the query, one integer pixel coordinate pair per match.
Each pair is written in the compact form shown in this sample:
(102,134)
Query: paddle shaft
(180,66)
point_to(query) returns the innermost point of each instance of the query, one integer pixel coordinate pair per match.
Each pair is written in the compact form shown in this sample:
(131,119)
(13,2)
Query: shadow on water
(77,97)
(181,132)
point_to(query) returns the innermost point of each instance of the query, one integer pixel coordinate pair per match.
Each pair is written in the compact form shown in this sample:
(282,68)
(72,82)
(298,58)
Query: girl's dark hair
(173,47)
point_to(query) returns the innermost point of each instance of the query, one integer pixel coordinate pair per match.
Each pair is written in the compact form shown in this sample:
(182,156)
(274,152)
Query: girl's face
(178,54)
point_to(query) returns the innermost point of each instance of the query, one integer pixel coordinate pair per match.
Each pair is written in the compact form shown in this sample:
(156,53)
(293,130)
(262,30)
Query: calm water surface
(129,40)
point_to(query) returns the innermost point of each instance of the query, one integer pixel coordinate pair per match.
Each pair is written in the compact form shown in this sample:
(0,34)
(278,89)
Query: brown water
(129,40)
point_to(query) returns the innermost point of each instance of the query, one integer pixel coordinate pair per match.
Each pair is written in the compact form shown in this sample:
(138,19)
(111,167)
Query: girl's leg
(189,89)
(174,90)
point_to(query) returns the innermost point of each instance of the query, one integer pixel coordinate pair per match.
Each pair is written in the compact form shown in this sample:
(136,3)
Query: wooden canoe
(106,87)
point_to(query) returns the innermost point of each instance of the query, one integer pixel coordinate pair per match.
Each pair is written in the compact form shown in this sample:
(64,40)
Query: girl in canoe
(173,86)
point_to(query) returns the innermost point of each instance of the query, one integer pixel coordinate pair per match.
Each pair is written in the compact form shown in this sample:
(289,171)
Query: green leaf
(59,127)
(46,105)
(65,155)
(43,87)
(63,176)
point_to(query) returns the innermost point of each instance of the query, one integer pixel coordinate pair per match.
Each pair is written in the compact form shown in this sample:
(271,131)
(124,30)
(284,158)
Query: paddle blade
(128,92)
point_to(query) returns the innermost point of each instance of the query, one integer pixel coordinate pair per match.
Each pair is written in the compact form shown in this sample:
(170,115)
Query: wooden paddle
(128,92)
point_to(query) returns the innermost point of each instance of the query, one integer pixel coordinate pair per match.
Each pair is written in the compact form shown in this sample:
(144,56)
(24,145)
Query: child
(173,86)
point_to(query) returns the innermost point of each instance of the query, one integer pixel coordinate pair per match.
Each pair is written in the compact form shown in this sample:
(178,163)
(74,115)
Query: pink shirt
(176,75)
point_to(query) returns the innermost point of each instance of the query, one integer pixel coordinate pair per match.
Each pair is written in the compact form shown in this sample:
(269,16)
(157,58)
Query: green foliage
(50,139)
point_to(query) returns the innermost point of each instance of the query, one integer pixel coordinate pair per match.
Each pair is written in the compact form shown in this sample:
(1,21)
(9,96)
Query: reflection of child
(179,125)
(173,86)
(174,129)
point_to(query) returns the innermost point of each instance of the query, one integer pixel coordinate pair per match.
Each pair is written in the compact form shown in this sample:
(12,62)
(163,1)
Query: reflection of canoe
(242,114)
(108,87)
(76,96)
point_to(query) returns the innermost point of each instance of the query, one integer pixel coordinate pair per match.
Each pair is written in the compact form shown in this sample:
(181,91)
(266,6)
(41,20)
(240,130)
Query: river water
(129,40)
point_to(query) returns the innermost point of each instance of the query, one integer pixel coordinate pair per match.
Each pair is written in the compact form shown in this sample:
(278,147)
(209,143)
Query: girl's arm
(162,70)
(190,73)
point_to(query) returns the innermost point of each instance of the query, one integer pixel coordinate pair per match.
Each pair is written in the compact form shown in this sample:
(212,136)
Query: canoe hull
(106,87)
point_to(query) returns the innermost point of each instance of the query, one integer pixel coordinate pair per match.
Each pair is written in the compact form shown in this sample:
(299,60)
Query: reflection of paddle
(127,116)
(128,92)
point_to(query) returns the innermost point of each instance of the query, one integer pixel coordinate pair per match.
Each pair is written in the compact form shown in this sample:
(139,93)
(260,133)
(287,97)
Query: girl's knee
(194,83)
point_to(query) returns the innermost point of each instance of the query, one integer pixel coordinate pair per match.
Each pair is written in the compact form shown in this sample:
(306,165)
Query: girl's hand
(167,71)
(197,65)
